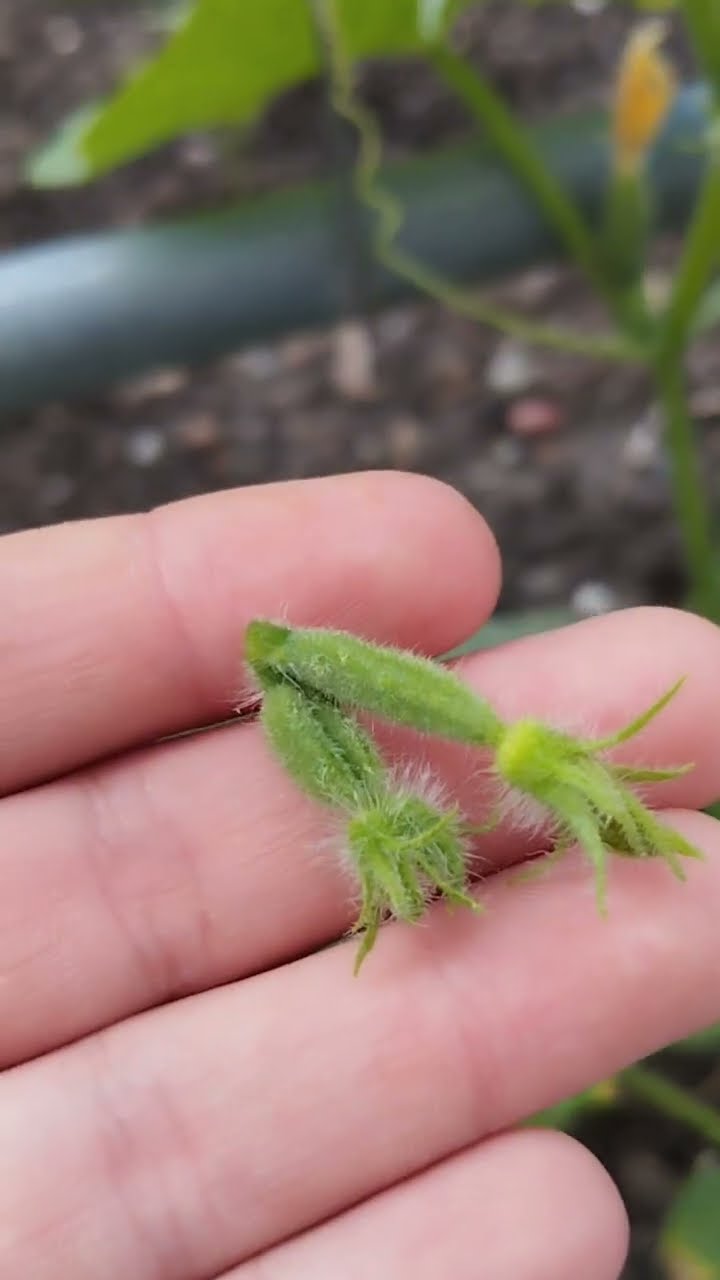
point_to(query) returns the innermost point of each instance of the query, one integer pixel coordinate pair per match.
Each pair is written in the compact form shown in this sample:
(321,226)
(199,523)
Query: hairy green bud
(588,797)
(406,848)
(400,687)
(325,751)
(404,845)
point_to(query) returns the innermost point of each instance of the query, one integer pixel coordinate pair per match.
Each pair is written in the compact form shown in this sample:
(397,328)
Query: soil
(562,456)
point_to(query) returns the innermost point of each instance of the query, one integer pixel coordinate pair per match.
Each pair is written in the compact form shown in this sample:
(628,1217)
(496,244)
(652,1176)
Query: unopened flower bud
(398,686)
(645,90)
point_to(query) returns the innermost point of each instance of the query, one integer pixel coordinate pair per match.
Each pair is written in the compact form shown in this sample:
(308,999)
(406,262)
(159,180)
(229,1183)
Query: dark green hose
(80,313)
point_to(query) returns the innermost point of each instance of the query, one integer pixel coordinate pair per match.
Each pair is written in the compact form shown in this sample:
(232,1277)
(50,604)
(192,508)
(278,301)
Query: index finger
(122,630)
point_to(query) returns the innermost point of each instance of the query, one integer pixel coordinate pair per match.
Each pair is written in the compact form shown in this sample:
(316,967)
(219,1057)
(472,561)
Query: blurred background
(562,456)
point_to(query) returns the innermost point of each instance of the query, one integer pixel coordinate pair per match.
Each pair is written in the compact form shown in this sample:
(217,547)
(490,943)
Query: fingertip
(121,630)
(586,1202)
(394,556)
(447,549)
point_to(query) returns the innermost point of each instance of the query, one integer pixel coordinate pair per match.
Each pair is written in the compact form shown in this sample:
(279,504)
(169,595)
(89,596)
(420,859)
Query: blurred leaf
(690,1240)
(432,17)
(707,1041)
(223,62)
(708,314)
(566,1115)
(62,162)
(226,61)
(435,17)
(512,626)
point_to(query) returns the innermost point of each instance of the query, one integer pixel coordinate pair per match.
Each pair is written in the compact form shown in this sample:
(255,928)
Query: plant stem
(675,330)
(510,139)
(355,253)
(699,256)
(389,216)
(608,346)
(700,251)
(672,1100)
(703,21)
(691,506)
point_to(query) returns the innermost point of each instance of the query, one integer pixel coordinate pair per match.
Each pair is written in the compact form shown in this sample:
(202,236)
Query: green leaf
(690,1240)
(707,1041)
(708,313)
(61,162)
(225,61)
(374,27)
(435,17)
(566,1115)
(224,64)
(512,626)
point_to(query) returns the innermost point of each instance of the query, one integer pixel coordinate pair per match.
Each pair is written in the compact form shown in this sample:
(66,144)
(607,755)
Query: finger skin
(121,630)
(199,862)
(205,1132)
(523,1206)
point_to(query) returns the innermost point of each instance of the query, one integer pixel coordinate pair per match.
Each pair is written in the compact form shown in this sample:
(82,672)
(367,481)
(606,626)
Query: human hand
(193,1087)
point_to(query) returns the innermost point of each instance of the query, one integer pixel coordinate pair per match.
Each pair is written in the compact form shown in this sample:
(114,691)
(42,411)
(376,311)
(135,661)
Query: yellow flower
(645,89)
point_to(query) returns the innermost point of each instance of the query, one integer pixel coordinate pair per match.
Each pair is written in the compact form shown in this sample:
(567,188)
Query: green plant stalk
(389,217)
(570,1112)
(699,257)
(355,265)
(702,18)
(691,507)
(510,139)
(672,1100)
(697,261)
(620,348)
(624,242)
(707,1041)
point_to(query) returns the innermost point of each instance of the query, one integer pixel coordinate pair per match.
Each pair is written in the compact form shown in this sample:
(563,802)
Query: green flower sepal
(590,800)
(403,842)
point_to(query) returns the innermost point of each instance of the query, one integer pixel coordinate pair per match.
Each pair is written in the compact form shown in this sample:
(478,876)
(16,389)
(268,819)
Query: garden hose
(80,313)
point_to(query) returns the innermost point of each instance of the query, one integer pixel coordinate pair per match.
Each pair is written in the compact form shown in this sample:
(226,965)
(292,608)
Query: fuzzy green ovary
(352,744)
(327,753)
(528,756)
(404,851)
(398,686)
